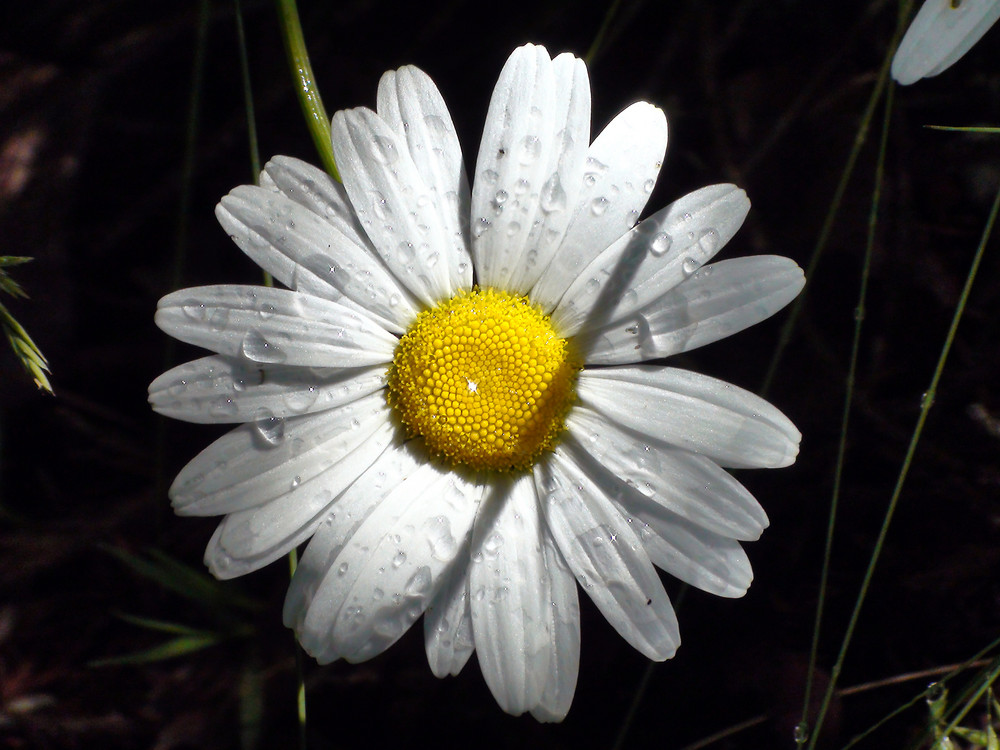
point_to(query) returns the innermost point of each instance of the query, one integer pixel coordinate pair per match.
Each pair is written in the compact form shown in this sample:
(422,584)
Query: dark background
(94,110)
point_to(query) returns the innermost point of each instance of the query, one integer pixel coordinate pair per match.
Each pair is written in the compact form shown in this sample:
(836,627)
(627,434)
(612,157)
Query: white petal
(731,426)
(607,557)
(448,637)
(349,511)
(250,539)
(684,483)
(411,104)
(619,173)
(654,257)
(219,389)
(709,561)
(563,630)
(390,567)
(317,191)
(397,558)
(509,617)
(529,166)
(398,211)
(256,463)
(313,253)
(941,32)
(564,180)
(719,300)
(274,326)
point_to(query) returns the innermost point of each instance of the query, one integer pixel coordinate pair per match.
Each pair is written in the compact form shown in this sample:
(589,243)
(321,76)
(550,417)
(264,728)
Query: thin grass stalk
(926,401)
(860,138)
(859,315)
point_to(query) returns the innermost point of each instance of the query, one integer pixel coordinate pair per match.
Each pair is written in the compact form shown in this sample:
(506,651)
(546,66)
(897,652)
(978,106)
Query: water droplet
(521,186)
(436,125)
(296,481)
(380,206)
(709,241)
(377,593)
(553,197)
(271,430)
(406,251)
(223,407)
(480,226)
(442,543)
(343,568)
(259,349)
(689,266)
(801,733)
(490,176)
(385,149)
(660,243)
(492,544)
(394,299)
(419,583)
(219,319)
(266,311)
(398,559)
(599,205)
(299,401)
(529,149)
(648,185)
(592,286)
(194,310)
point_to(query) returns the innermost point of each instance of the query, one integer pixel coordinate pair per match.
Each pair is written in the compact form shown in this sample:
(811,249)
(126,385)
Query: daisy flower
(452,400)
(941,32)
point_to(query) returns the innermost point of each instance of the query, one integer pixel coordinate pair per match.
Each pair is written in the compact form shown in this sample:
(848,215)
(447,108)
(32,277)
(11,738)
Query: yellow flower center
(485,380)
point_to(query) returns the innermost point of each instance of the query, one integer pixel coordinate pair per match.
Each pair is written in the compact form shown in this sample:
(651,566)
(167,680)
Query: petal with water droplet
(249,539)
(703,415)
(626,156)
(607,557)
(393,202)
(712,562)
(246,387)
(627,275)
(509,607)
(448,637)
(312,253)
(413,107)
(719,300)
(236,472)
(683,483)
(299,329)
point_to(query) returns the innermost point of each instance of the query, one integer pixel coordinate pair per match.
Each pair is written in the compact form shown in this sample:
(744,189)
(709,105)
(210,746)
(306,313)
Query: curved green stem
(305,84)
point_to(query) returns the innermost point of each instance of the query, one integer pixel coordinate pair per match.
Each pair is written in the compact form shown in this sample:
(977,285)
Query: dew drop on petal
(689,266)
(480,226)
(255,347)
(529,149)
(490,176)
(553,197)
(398,559)
(660,243)
(406,252)
(419,583)
(385,149)
(598,206)
(648,186)
(270,430)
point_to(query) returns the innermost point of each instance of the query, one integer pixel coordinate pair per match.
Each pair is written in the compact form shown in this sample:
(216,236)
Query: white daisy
(450,400)
(941,32)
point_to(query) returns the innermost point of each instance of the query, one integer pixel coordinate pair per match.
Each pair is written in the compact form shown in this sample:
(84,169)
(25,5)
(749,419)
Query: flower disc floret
(485,380)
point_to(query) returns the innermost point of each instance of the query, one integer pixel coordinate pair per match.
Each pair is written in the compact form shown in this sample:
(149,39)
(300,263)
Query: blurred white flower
(423,401)
(941,32)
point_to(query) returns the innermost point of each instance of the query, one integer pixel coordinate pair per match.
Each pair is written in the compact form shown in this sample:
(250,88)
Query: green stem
(926,401)
(305,84)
